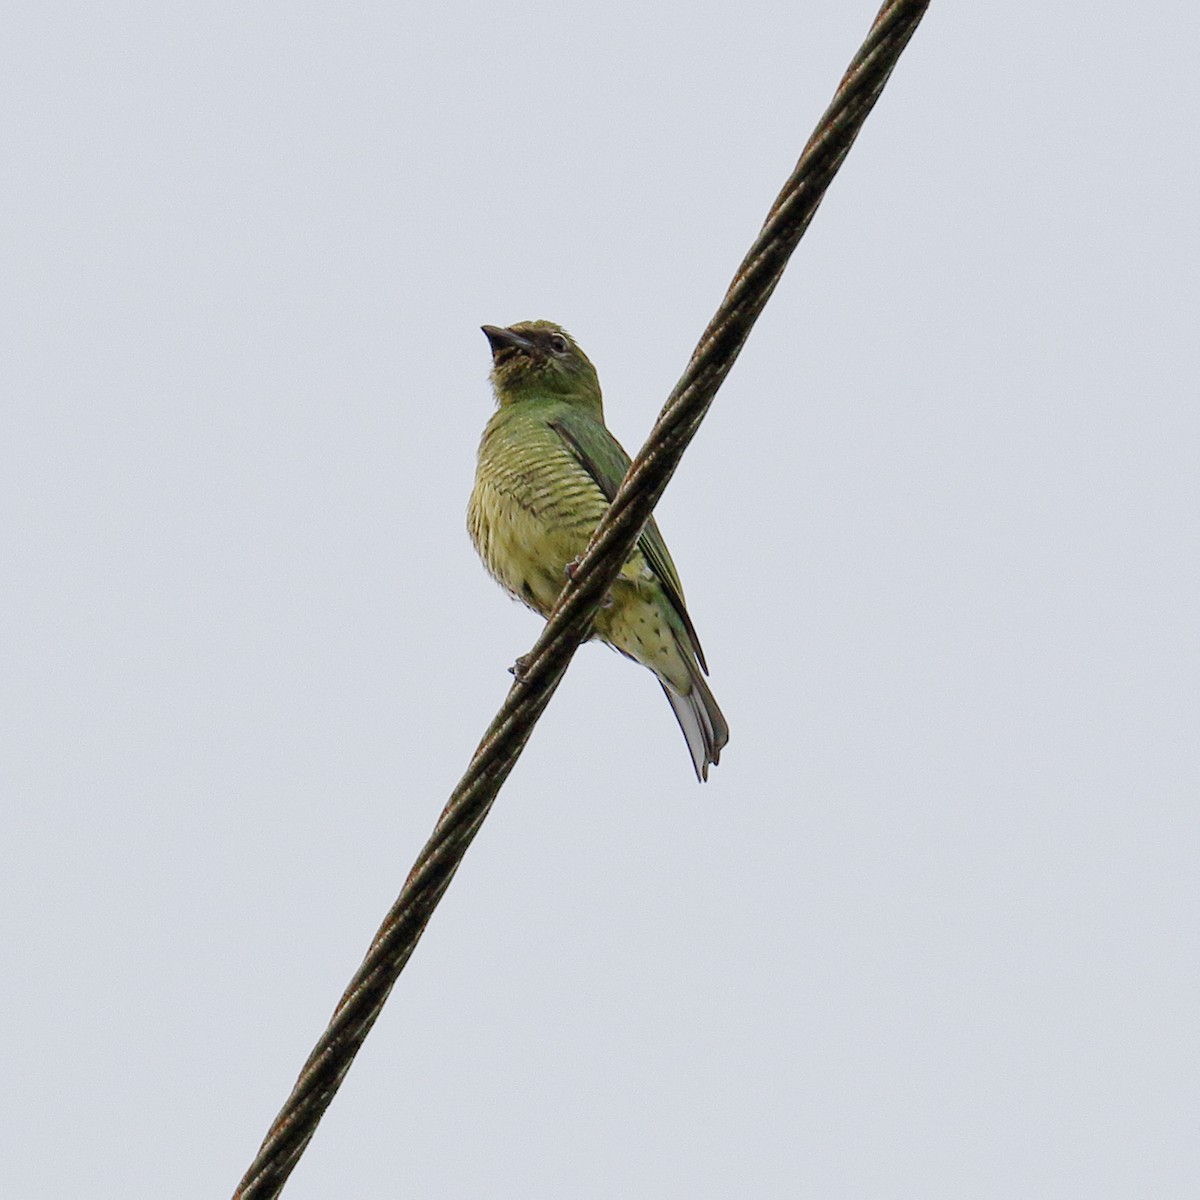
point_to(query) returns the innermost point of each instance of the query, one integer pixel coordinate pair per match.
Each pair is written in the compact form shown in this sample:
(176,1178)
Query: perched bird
(548,468)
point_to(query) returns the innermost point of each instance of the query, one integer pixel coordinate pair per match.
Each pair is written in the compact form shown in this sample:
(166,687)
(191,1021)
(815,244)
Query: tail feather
(703,724)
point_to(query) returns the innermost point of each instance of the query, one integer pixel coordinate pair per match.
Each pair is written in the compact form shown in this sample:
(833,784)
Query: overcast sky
(931,929)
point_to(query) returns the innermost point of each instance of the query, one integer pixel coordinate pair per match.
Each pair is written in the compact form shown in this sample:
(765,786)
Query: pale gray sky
(932,927)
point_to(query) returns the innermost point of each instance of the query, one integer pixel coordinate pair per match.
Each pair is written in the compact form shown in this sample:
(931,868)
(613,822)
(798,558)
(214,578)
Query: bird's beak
(501,339)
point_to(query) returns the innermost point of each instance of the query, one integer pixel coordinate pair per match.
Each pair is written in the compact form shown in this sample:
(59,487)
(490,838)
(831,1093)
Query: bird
(547,469)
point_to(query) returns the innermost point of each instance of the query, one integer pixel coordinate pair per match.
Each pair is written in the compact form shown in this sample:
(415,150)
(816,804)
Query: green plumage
(548,468)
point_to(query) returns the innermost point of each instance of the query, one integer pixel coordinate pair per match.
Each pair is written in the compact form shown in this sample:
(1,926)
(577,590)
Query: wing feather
(606,462)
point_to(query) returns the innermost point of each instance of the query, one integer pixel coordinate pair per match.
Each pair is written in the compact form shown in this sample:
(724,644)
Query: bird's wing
(606,462)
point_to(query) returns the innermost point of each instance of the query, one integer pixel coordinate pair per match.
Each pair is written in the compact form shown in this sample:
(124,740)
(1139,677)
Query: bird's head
(540,359)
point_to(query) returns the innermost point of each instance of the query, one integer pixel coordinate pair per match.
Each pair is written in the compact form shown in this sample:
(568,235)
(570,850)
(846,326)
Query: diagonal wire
(570,621)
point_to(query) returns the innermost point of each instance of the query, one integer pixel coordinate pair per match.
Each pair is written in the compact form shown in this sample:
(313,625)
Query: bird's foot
(517,670)
(573,566)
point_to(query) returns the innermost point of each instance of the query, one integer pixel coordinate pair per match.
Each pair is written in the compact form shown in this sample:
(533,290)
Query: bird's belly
(525,553)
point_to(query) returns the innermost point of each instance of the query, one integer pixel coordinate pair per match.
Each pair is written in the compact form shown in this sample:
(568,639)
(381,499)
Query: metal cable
(571,618)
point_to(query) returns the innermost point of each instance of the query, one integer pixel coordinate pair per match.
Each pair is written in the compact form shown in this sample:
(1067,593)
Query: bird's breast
(527,525)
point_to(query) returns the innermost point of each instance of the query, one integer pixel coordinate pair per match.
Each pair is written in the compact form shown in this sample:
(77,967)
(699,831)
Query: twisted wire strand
(570,620)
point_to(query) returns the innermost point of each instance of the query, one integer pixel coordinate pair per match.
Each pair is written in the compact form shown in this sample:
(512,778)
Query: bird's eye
(558,344)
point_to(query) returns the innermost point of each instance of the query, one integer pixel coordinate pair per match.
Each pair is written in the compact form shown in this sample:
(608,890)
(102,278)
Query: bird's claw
(573,566)
(517,670)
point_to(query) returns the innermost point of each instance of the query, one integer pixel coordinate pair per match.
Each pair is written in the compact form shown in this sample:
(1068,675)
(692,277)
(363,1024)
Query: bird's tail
(703,724)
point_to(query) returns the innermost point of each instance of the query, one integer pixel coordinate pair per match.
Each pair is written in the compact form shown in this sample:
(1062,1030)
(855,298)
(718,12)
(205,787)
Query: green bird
(548,469)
